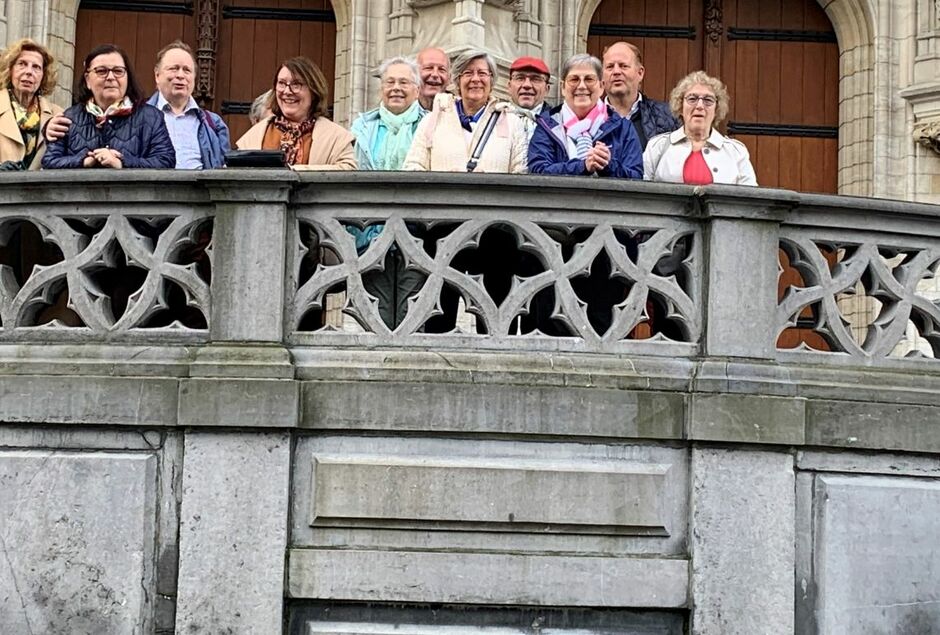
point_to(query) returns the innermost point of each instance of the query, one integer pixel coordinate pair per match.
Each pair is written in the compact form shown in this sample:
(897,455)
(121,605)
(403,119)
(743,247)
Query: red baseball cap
(532,63)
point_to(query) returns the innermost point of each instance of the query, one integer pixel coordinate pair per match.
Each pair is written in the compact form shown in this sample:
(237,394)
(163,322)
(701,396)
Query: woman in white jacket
(696,153)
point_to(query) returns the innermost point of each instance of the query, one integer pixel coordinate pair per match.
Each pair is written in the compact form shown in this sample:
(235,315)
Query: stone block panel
(431,494)
(877,562)
(77,535)
(480,578)
(504,495)
(511,409)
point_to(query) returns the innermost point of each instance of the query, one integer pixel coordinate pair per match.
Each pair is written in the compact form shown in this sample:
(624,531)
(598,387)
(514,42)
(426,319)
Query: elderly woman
(111,127)
(453,133)
(28,72)
(383,138)
(298,124)
(696,153)
(584,135)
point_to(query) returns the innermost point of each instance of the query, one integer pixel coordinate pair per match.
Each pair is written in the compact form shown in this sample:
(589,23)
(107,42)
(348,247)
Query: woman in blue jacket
(584,136)
(111,126)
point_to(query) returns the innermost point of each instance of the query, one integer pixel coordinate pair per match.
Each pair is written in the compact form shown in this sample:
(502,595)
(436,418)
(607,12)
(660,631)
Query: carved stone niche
(925,102)
(927,134)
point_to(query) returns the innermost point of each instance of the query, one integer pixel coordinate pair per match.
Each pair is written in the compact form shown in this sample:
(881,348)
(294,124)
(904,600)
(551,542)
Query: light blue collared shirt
(184,133)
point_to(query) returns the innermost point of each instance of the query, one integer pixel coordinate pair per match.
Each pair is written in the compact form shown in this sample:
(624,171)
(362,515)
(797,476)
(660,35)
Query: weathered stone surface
(94,400)
(877,556)
(479,578)
(262,403)
(446,494)
(863,424)
(77,536)
(508,492)
(747,418)
(493,408)
(742,542)
(731,332)
(233,533)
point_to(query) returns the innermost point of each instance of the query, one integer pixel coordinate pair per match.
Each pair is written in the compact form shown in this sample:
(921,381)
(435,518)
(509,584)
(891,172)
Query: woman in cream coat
(696,153)
(299,125)
(28,73)
(446,138)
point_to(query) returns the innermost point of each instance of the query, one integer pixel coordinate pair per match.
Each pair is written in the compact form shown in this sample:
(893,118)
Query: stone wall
(252,474)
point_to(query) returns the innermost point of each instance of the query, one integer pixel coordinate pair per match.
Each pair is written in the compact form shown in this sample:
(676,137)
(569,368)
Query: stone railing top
(535,264)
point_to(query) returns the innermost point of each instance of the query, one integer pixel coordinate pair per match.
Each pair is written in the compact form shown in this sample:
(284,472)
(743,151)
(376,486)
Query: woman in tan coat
(28,73)
(298,125)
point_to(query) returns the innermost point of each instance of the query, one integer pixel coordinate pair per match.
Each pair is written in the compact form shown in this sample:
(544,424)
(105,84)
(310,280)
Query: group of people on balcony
(434,114)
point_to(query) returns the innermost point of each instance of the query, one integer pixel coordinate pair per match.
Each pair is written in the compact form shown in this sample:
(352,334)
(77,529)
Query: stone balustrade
(610,405)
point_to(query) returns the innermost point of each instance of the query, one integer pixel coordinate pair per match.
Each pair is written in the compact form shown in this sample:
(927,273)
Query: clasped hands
(103,157)
(598,157)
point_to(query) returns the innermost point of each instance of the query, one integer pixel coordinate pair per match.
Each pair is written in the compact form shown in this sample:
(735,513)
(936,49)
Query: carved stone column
(207,36)
(468,26)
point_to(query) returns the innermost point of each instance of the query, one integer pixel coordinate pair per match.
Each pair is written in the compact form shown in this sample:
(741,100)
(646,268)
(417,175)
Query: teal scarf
(397,142)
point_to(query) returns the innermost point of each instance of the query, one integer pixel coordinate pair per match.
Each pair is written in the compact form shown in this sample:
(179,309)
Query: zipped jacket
(548,150)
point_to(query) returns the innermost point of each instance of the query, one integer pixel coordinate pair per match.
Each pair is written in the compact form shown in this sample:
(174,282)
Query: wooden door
(253,37)
(140,28)
(779,59)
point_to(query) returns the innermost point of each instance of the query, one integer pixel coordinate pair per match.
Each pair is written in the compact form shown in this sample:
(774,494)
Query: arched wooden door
(251,37)
(779,59)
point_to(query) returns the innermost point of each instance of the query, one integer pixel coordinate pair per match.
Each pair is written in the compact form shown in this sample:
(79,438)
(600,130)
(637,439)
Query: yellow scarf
(28,121)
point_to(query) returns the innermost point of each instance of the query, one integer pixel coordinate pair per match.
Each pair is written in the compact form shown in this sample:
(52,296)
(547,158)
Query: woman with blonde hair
(298,125)
(28,73)
(696,153)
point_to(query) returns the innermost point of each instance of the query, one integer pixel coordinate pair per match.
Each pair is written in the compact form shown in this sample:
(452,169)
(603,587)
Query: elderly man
(623,74)
(528,83)
(383,138)
(434,67)
(199,137)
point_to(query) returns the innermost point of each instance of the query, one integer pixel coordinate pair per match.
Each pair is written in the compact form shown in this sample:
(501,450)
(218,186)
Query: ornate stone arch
(853,22)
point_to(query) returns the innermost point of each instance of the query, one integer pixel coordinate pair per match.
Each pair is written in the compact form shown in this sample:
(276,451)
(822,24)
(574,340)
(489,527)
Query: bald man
(434,66)
(623,74)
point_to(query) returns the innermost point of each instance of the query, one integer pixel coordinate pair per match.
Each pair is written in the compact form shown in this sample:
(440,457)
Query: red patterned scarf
(291,136)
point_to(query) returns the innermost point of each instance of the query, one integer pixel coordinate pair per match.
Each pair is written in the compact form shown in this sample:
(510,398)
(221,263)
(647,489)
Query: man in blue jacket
(623,74)
(200,137)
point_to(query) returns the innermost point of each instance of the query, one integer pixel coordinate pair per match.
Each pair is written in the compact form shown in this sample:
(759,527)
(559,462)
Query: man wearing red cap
(529,80)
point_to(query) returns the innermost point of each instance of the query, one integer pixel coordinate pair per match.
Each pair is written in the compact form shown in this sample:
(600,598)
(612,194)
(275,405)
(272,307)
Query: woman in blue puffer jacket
(112,127)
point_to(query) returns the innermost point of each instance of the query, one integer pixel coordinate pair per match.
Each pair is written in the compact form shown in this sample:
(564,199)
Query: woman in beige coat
(28,73)
(298,125)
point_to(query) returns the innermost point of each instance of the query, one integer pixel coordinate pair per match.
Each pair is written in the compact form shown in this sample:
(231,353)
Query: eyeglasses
(104,71)
(391,82)
(573,81)
(472,74)
(522,78)
(707,100)
(295,86)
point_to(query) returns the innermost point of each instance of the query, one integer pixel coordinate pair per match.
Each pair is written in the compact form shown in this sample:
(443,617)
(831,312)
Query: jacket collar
(8,127)
(715,139)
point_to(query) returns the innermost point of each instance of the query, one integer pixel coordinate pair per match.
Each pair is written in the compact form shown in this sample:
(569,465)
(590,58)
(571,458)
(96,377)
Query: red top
(696,171)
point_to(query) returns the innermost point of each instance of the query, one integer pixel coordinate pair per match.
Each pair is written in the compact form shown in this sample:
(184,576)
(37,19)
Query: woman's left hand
(108,158)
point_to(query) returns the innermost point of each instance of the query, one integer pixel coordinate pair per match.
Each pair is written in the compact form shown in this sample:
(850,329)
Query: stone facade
(889,113)
(255,474)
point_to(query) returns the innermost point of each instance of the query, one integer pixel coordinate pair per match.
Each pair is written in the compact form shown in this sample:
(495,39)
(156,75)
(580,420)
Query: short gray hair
(581,59)
(258,106)
(407,61)
(463,61)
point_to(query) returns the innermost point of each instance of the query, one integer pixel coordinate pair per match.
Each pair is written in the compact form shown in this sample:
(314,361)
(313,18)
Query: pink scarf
(590,123)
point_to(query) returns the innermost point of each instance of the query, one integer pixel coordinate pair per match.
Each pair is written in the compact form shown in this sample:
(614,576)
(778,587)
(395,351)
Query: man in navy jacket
(623,74)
